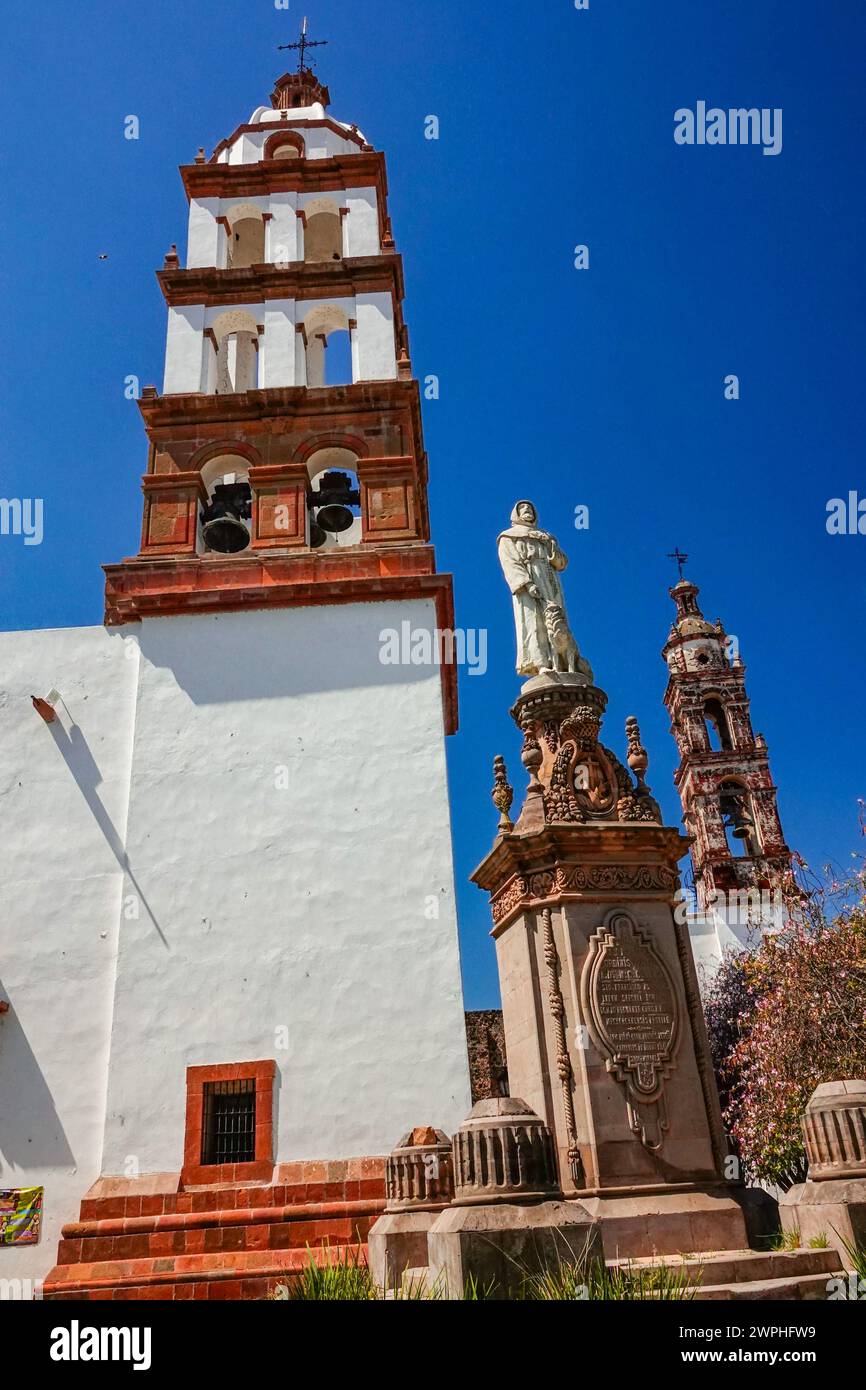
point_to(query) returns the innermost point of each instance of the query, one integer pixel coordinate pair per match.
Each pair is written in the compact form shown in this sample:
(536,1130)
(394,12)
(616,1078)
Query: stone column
(508,1219)
(419,1182)
(604,1029)
(832,1202)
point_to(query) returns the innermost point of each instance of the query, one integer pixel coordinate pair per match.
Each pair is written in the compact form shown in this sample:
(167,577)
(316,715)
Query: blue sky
(602,387)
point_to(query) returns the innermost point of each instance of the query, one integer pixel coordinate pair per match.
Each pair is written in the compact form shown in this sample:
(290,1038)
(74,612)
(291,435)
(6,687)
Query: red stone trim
(170,517)
(335,440)
(278,486)
(280,409)
(343,279)
(262,1167)
(216,447)
(389,493)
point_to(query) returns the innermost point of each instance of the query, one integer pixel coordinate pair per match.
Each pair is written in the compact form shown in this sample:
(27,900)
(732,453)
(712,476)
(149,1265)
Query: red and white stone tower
(290,243)
(724,780)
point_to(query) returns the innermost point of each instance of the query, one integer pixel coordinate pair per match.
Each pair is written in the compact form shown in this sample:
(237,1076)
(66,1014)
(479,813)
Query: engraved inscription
(636,1009)
(630,1005)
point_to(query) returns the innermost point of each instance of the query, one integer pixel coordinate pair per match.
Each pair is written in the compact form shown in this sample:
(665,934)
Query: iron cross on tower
(303,45)
(680,558)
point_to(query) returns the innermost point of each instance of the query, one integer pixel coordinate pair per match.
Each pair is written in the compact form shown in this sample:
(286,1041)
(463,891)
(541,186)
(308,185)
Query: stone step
(242,1275)
(229,1198)
(802,1287)
(89,1242)
(718,1268)
(267,1229)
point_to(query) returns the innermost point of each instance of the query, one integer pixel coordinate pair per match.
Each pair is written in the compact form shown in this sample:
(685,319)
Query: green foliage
(343,1276)
(339,1278)
(856,1258)
(820,1242)
(785,1240)
(610,1284)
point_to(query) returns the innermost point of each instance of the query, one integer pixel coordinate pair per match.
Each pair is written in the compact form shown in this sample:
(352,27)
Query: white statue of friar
(532,563)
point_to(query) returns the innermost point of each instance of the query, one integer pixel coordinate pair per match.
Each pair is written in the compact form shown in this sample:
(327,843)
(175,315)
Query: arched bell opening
(328,339)
(235,339)
(246,236)
(718,729)
(323,233)
(225,518)
(738,820)
(333,500)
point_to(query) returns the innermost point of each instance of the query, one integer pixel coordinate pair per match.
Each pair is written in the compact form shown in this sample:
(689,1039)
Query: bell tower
(286,463)
(739,856)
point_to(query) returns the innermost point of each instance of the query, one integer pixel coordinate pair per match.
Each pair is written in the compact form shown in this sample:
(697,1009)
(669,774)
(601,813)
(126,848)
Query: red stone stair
(220,1242)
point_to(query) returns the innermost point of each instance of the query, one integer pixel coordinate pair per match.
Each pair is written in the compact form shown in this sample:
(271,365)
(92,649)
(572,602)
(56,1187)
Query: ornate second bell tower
(723,778)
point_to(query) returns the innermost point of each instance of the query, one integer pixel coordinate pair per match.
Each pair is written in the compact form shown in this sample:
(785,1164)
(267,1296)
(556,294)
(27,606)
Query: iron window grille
(229,1122)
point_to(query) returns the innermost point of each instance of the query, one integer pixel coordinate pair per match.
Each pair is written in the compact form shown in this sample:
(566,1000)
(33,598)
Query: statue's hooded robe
(531,558)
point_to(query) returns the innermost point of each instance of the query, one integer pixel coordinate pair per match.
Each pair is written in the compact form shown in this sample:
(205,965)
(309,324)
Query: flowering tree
(784,1018)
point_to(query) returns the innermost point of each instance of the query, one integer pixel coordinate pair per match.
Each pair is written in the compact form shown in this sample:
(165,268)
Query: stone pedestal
(419,1180)
(604,1028)
(508,1219)
(832,1202)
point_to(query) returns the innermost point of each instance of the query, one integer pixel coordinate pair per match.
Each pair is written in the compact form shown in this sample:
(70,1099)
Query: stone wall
(488,1064)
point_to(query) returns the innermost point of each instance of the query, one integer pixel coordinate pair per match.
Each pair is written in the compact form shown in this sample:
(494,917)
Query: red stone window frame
(261,1168)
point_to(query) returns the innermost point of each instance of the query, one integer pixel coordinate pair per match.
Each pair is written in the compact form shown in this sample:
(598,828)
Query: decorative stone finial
(503,1152)
(532,758)
(502,794)
(419,1174)
(172,259)
(638,758)
(200,157)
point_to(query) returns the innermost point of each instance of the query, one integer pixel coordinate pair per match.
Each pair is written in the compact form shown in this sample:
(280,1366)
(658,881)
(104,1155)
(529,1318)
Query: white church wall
(289,832)
(361,233)
(204,233)
(377,355)
(715,935)
(63,800)
(165,891)
(278,346)
(283,243)
(183,350)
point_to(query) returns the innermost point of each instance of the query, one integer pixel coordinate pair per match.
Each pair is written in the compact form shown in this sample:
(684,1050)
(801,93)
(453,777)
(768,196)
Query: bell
(223,516)
(332,502)
(317,536)
(736,820)
(334,519)
(226,535)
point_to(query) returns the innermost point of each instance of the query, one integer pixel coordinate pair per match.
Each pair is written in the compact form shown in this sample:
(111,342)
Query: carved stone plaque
(630,1005)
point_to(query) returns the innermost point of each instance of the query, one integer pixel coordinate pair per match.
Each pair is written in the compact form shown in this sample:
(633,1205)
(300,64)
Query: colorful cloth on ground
(20,1215)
